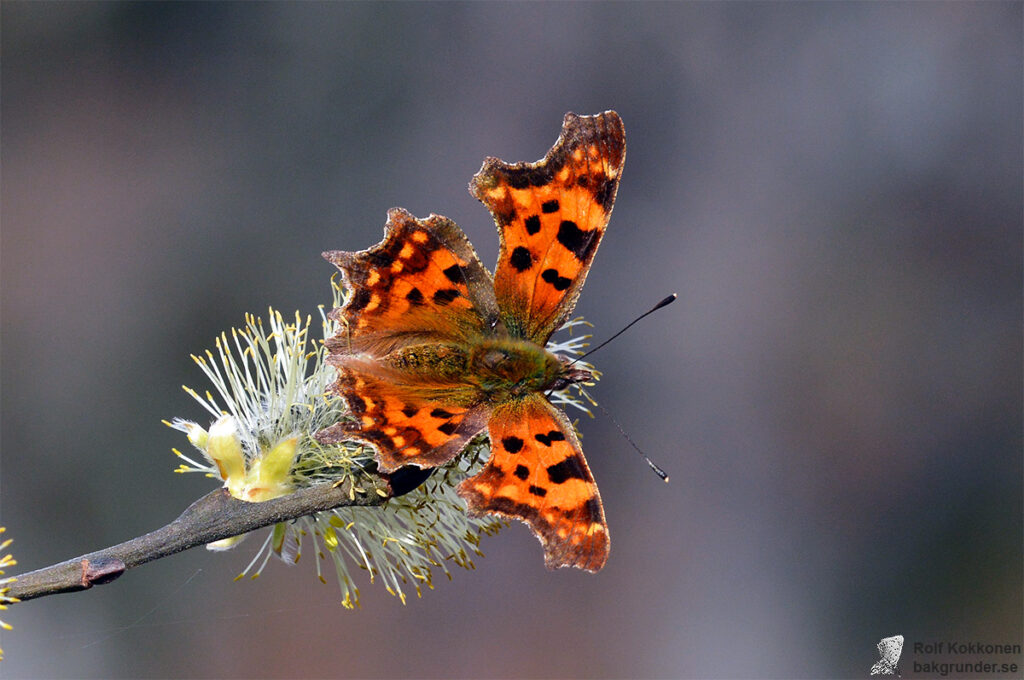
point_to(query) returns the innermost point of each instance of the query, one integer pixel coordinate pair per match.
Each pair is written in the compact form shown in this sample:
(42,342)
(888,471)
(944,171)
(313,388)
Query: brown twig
(213,517)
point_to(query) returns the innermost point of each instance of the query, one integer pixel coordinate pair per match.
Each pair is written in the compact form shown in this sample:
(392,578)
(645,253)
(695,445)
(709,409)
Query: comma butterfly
(432,350)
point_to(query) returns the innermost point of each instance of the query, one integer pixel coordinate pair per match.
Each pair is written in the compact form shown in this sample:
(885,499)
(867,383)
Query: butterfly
(889,649)
(432,350)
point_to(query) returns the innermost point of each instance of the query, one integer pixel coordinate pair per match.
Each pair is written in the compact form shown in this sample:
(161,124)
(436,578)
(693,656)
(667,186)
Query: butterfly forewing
(551,216)
(423,282)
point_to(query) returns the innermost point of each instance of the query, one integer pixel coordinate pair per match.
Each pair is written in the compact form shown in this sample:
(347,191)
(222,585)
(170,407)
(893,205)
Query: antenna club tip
(668,300)
(666,480)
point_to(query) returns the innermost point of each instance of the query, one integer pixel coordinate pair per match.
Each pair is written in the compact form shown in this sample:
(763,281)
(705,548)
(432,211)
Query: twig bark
(213,517)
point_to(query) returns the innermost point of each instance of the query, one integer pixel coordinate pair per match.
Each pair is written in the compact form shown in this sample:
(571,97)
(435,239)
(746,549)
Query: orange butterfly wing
(424,423)
(537,473)
(551,216)
(424,290)
(422,283)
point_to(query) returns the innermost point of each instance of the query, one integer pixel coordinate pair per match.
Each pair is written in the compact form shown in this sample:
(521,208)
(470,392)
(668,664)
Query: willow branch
(213,517)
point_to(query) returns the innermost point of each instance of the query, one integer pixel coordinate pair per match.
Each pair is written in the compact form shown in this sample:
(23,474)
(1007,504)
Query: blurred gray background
(834,190)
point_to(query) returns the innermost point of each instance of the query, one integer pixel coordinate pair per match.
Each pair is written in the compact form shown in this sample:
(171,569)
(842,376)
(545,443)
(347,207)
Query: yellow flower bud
(225,449)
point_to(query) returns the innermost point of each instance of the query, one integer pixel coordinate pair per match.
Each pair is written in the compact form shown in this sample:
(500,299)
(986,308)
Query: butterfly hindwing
(425,424)
(537,474)
(551,216)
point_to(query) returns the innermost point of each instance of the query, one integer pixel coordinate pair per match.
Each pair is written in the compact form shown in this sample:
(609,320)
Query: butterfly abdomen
(440,361)
(433,372)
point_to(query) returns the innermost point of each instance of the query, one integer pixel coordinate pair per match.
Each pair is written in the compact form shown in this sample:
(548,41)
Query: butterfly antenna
(667,301)
(654,466)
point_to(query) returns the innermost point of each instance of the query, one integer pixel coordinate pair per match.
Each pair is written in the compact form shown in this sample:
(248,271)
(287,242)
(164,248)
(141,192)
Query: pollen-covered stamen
(568,350)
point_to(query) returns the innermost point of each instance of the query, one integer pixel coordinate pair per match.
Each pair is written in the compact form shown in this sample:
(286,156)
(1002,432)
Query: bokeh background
(834,190)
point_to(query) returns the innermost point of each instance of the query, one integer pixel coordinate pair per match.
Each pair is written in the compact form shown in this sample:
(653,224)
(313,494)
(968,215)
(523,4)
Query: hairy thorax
(506,368)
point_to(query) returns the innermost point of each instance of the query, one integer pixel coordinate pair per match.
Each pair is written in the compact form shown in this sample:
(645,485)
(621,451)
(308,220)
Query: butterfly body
(433,350)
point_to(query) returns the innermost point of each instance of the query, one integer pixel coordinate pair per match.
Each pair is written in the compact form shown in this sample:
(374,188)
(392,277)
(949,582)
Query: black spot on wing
(360,298)
(380,258)
(552,436)
(570,468)
(522,178)
(504,215)
(538,491)
(549,206)
(580,243)
(440,413)
(532,224)
(507,506)
(357,405)
(517,180)
(521,259)
(605,193)
(592,508)
(445,296)
(409,411)
(512,444)
(522,472)
(559,282)
(456,274)
(415,296)
(448,427)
